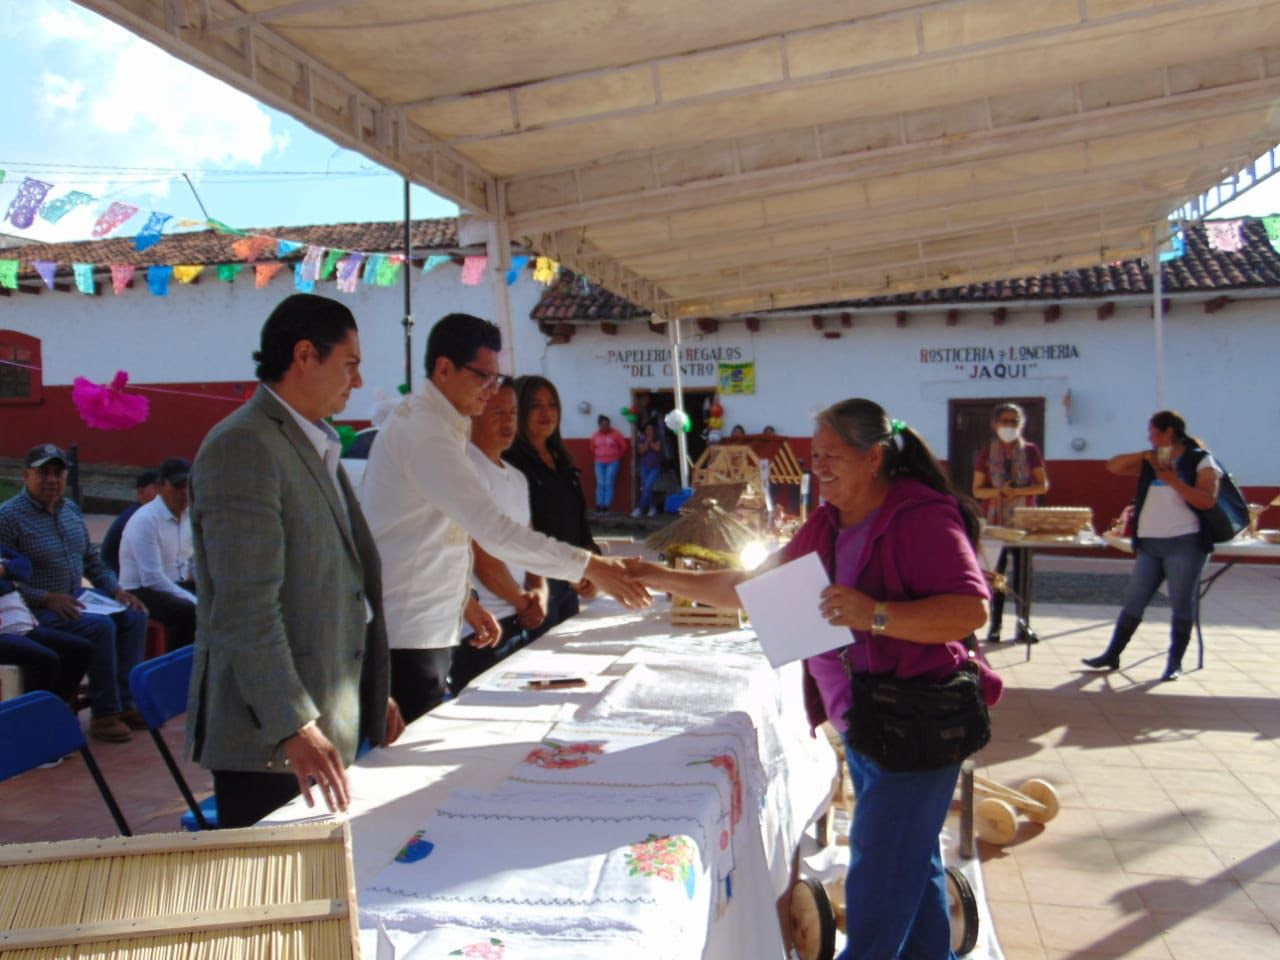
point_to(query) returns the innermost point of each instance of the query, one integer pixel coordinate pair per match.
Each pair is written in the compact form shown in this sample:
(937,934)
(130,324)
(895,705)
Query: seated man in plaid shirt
(49,530)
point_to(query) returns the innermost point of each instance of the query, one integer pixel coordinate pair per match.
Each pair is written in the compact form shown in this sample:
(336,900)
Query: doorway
(656,404)
(969,430)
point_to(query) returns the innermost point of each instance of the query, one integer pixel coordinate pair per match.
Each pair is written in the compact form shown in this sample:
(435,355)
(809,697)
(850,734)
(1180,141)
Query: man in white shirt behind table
(516,599)
(424,502)
(155,555)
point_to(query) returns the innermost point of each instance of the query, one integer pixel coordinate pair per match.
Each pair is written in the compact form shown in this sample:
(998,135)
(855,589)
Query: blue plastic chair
(38,728)
(159,690)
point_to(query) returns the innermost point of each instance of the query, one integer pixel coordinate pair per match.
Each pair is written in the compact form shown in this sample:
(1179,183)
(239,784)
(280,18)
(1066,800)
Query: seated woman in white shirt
(1176,477)
(155,555)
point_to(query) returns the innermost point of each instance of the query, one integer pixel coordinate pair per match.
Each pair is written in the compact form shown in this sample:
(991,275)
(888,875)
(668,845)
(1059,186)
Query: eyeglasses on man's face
(490,380)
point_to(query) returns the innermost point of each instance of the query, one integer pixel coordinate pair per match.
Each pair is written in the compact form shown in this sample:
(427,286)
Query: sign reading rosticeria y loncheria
(1012,362)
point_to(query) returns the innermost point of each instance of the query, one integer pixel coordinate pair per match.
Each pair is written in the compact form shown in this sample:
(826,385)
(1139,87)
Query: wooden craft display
(282,892)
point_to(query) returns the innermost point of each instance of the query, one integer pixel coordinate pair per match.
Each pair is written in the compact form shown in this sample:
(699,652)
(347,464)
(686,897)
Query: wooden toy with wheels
(963,906)
(813,922)
(996,815)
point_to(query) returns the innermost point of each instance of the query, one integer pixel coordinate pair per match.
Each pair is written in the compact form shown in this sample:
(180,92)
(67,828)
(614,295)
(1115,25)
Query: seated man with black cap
(155,555)
(40,523)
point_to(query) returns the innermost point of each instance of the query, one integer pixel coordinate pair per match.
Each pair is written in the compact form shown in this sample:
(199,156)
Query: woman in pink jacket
(608,447)
(898,545)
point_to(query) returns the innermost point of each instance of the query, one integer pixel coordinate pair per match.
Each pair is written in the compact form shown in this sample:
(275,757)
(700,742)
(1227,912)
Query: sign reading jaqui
(1011,362)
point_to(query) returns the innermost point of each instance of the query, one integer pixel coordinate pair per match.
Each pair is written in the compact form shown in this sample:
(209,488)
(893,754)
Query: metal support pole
(682,438)
(498,251)
(1157,314)
(408,294)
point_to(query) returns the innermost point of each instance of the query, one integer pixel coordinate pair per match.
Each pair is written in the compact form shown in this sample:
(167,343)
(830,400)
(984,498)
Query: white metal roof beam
(538,204)
(271,69)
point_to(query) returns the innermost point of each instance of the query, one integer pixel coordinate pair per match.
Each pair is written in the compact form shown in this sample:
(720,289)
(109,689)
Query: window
(20,379)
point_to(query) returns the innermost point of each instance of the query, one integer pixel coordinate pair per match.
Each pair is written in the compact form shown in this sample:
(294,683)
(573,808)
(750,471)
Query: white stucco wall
(1219,367)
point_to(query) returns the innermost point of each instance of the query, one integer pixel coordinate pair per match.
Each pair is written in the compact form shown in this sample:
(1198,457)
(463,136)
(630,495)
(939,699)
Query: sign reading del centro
(695,361)
(1013,362)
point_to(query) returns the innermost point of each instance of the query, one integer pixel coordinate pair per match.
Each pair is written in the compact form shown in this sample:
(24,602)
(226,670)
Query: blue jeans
(648,477)
(606,473)
(1180,560)
(896,887)
(118,642)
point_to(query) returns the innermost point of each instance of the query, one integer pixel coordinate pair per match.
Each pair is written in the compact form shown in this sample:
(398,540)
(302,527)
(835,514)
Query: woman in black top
(557,505)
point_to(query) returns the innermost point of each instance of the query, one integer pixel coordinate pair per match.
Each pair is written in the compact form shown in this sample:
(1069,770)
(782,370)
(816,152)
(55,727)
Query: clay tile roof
(209,247)
(1201,269)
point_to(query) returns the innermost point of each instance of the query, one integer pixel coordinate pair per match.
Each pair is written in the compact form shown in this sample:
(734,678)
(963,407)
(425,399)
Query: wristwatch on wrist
(879,619)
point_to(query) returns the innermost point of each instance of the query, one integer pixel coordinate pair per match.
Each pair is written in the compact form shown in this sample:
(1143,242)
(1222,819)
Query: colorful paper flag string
(57,208)
(158,279)
(26,202)
(371,268)
(221,227)
(1224,235)
(545,270)
(286,247)
(1272,225)
(263,272)
(301,282)
(121,274)
(349,272)
(116,215)
(311,264)
(1177,247)
(388,270)
(9,274)
(473,270)
(149,235)
(84,278)
(187,272)
(251,248)
(517,264)
(330,262)
(46,269)
(227,271)
(433,261)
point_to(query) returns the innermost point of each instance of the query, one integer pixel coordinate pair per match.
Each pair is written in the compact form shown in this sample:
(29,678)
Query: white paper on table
(96,603)
(783,607)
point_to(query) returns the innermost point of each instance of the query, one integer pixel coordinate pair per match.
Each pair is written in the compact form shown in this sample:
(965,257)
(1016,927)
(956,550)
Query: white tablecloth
(653,812)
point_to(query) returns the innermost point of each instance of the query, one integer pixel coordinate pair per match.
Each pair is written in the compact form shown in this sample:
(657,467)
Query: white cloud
(60,93)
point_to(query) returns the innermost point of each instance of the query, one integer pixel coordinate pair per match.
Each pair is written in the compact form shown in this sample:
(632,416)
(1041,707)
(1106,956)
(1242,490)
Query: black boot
(1179,638)
(1120,637)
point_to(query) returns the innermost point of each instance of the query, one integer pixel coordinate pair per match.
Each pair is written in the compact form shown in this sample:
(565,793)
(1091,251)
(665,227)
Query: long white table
(653,813)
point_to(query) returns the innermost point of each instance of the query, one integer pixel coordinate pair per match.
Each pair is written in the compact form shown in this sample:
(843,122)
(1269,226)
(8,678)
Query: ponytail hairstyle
(1173,420)
(864,424)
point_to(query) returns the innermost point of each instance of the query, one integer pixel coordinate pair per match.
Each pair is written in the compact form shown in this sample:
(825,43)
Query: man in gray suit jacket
(291,664)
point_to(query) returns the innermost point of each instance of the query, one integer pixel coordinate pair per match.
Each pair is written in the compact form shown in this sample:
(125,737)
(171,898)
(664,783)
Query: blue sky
(91,107)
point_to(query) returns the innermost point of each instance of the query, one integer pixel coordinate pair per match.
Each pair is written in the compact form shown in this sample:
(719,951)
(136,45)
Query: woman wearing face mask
(1176,477)
(1008,473)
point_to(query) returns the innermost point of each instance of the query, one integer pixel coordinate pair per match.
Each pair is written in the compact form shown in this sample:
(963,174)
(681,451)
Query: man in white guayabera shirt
(424,502)
(155,555)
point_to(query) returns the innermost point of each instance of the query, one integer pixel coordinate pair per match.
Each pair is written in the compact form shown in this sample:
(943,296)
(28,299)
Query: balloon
(688,425)
(624,410)
(715,436)
(346,434)
(676,420)
(715,423)
(631,418)
(716,410)
(403,388)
